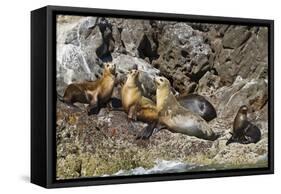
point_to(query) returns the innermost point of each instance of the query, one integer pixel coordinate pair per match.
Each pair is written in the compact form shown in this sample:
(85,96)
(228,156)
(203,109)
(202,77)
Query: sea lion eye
(161,80)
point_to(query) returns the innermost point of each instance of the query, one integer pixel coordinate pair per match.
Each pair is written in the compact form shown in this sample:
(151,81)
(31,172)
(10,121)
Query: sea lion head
(134,73)
(243,110)
(132,77)
(135,66)
(162,82)
(110,68)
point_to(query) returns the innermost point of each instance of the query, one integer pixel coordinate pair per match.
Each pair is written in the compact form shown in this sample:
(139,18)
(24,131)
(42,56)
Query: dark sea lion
(198,104)
(95,93)
(177,118)
(244,132)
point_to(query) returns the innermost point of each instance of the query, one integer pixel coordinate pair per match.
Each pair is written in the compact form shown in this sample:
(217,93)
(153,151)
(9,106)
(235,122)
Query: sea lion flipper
(231,140)
(147,131)
(72,105)
(115,102)
(93,107)
(132,113)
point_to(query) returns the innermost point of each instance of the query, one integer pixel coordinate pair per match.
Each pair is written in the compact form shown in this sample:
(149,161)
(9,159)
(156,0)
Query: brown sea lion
(95,93)
(195,103)
(177,118)
(244,132)
(134,103)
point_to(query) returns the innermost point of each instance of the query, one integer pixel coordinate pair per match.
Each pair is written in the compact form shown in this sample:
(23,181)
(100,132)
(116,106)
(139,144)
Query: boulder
(183,55)
(137,38)
(126,62)
(241,52)
(250,92)
(208,83)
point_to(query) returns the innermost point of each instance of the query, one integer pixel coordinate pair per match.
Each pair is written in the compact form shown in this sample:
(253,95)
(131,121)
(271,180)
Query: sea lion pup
(243,131)
(177,118)
(198,104)
(134,103)
(95,93)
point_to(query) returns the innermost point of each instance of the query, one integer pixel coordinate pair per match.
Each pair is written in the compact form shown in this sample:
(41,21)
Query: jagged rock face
(77,43)
(250,92)
(240,50)
(138,37)
(208,83)
(184,57)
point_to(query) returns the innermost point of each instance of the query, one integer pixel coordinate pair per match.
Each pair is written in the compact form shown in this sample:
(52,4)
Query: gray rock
(235,36)
(250,92)
(125,62)
(78,53)
(183,55)
(209,82)
(243,52)
(137,38)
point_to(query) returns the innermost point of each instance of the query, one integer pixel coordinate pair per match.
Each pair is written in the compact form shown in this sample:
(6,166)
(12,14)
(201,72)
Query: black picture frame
(43,96)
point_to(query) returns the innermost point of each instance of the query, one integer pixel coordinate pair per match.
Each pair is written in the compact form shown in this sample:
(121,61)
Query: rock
(252,154)
(137,37)
(125,62)
(235,36)
(243,52)
(68,167)
(77,58)
(208,83)
(83,50)
(250,92)
(183,55)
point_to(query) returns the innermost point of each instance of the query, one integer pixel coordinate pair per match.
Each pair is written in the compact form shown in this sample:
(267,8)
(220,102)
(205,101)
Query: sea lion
(95,93)
(195,103)
(177,118)
(244,132)
(198,104)
(134,103)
